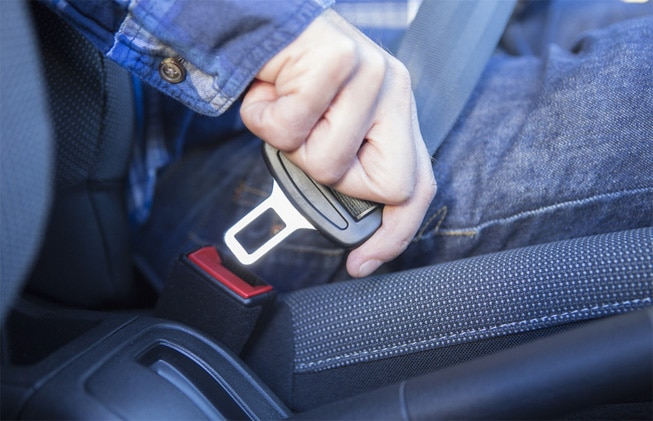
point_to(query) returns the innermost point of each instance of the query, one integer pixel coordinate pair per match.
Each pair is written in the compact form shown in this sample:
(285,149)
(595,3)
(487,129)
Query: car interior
(558,331)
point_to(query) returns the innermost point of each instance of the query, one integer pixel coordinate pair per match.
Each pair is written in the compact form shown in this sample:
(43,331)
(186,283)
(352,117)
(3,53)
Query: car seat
(92,111)
(531,332)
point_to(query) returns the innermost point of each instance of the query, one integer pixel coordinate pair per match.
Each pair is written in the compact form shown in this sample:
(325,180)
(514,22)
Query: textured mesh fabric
(25,150)
(85,258)
(91,104)
(470,300)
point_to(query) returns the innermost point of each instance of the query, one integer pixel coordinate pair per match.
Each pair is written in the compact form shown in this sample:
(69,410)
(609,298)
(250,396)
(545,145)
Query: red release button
(208,259)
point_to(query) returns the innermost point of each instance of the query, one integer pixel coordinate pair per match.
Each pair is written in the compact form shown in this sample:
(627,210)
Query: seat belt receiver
(249,292)
(206,292)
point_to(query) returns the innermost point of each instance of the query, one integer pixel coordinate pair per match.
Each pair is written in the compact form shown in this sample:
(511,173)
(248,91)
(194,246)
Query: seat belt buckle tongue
(210,294)
(300,202)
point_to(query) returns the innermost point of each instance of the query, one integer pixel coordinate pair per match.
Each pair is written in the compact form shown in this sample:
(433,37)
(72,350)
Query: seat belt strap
(445,50)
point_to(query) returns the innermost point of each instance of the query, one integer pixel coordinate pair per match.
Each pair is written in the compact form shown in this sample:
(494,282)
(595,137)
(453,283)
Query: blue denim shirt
(221,44)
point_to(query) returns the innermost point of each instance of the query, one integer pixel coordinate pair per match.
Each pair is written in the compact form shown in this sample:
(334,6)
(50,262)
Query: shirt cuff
(221,45)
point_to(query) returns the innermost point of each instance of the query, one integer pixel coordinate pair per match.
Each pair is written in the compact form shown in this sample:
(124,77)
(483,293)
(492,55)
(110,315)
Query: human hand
(342,109)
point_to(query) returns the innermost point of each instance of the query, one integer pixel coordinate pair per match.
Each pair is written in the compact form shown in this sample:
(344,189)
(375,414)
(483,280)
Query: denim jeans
(555,143)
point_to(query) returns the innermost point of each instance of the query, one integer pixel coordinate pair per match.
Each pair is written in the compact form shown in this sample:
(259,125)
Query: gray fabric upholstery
(25,150)
(471,300)
(85,259)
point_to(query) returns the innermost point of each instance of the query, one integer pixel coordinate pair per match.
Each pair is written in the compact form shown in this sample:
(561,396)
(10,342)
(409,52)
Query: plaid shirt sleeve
(221,44)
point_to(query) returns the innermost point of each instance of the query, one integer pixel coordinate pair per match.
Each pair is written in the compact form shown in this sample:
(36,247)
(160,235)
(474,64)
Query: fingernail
(369,267)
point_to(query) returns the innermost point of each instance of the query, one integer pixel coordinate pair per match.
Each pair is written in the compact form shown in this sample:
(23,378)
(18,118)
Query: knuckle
(401,75)
(377,68)
(349,54)
(342,58)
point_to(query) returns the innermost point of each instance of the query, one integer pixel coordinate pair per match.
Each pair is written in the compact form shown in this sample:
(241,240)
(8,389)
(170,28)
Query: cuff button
(172,70)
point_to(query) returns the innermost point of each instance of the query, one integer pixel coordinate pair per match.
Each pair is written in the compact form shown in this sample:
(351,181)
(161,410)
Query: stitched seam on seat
(505,328)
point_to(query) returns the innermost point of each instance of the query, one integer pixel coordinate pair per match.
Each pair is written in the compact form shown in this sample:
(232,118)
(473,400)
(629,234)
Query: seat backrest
(85,259)
(25,150)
